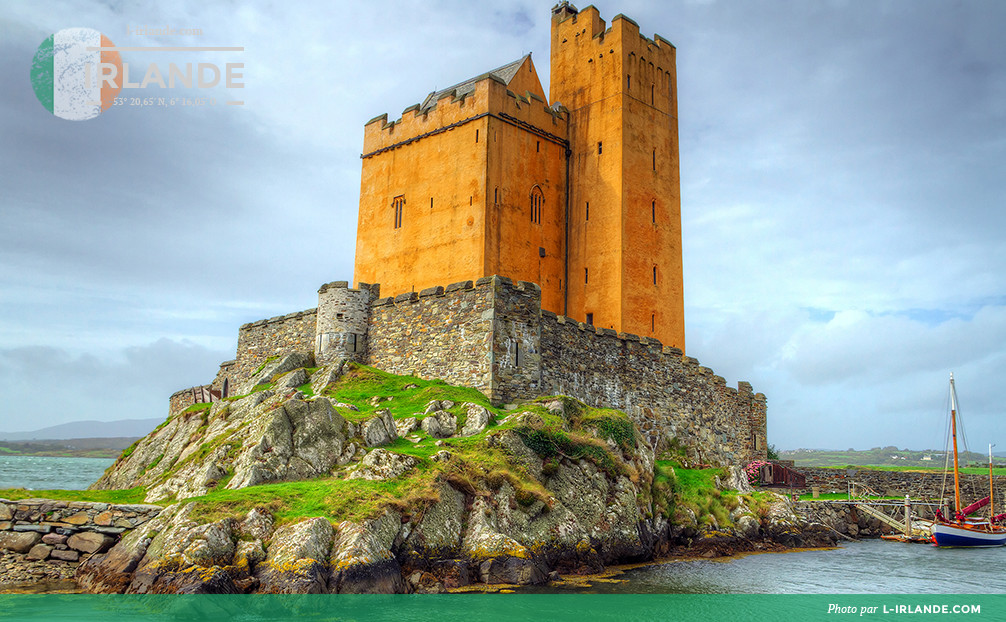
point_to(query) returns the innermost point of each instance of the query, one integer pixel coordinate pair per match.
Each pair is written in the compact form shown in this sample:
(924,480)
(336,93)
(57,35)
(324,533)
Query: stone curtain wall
(180,400)
(900,483)
(63,530)
(492,335)
(516,344)
(667,395)
(447,333)
(440,333)
(276,336)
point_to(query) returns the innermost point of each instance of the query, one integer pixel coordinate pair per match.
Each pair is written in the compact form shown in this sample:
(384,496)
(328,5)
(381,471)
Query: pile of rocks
(17,570)
(62,531)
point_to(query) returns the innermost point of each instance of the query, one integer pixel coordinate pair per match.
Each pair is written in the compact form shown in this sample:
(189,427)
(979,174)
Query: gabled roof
(505,73)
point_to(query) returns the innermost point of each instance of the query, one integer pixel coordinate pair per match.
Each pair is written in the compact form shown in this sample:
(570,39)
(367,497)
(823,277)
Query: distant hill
(878,456)
(71,447)
(133,428)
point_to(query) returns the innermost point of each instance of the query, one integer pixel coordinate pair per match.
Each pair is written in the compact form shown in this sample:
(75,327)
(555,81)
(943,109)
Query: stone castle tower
(580,196)
(523,249)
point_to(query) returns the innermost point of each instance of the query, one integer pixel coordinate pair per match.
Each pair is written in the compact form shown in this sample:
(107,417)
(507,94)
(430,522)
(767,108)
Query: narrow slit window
(516,354)
(586,214)
(654,159)
(653,211)
(476,136)
(585,276)
(399,204)
(598,147)
(653,322)
(628,82)
(496,195)
(537,146)
(590,319)
(654,275)
(651,94)
(431,202)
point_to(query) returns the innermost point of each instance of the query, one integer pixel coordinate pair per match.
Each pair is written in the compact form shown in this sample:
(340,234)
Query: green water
(867,567)
(44,472)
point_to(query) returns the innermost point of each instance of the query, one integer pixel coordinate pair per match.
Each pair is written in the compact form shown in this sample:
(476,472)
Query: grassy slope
(579,433)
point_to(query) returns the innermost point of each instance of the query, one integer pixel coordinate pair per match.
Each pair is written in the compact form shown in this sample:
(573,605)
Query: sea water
(866,567)
(46,473)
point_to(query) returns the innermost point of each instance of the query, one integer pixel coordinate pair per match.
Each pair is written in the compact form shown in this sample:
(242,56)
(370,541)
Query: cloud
(841,168)
(47,385)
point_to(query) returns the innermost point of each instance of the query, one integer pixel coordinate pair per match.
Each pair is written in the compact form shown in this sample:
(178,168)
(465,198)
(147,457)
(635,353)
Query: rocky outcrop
(275,435)
(383,464)
(549,488)
(440,424)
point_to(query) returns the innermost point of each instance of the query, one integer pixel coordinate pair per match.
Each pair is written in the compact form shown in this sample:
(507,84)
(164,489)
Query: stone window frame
(398,203)
(537,201)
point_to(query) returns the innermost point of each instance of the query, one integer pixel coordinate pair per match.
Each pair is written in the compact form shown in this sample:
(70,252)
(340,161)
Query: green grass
(675,488)
(269,359)
(131,495)
(360,383)
(331,498)
(577,433)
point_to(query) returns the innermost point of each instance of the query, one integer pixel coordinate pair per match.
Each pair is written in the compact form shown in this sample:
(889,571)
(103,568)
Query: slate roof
(504,73)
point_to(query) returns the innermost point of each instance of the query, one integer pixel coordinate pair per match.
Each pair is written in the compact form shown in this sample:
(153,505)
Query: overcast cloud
(842,169)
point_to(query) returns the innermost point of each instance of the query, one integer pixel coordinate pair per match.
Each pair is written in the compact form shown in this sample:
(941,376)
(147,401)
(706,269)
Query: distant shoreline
(110,454)
(68,448)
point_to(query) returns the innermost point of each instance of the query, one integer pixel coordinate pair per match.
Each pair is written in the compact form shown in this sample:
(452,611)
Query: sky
(842,173)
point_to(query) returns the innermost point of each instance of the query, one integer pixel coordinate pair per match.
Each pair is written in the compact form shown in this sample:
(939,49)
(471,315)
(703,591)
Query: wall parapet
(280,318)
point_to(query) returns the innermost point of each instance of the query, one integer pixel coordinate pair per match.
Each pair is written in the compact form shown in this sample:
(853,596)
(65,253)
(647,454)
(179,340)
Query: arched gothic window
(537,200)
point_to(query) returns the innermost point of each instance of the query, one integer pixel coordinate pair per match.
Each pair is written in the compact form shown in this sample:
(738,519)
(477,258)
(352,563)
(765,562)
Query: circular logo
(75,74)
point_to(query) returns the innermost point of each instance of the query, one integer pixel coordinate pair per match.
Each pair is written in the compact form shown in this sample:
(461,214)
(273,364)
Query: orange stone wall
(467,191)
(619,88)
(520,161)
(442,179)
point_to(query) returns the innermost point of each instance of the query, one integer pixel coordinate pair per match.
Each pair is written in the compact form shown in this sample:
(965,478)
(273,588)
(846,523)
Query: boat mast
(953,431)
(992,505)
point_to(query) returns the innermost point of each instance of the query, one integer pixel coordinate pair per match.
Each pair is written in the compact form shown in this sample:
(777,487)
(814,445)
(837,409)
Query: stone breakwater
(46,530)
(917,484)
(843,519)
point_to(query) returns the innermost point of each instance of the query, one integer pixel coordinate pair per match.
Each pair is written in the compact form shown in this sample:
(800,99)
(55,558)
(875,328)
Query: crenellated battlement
(587,26)
(488,97)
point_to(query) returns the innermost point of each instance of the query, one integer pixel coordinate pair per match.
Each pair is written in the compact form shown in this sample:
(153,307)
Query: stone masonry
(492,335)
(63,531)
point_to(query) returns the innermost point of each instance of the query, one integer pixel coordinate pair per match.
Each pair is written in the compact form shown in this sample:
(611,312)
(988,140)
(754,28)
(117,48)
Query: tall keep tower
(624,227)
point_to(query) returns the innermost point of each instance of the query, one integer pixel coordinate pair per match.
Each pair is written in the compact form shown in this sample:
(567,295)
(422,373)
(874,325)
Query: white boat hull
(953,535)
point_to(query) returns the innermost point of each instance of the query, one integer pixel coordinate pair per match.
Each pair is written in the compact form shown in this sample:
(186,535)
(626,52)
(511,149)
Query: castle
(531,249)
(581,196)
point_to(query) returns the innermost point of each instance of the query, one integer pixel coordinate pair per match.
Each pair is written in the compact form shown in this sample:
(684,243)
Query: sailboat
(964,531)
